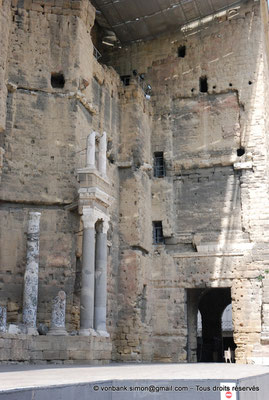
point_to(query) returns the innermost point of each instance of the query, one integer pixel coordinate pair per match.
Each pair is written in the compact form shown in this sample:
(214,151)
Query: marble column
(3,319)
(58,315)
(101,278)
(88,268)
(31,273)
(102,154)
(90,156)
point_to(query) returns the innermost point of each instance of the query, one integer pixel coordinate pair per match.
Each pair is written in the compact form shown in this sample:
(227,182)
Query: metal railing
(96,53)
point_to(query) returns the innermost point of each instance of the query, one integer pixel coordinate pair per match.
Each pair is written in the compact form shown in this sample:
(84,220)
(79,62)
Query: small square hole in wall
(57,80)
(181,51)
(240,152)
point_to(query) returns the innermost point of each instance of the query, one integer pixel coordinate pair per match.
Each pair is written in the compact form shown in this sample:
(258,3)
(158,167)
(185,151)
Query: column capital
(88,217)
(105,225)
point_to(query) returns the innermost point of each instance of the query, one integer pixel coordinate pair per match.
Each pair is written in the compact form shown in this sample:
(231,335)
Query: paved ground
(25,376)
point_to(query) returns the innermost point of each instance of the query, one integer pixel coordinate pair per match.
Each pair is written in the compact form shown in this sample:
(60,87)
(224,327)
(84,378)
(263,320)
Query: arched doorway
(210,330)
(211,306)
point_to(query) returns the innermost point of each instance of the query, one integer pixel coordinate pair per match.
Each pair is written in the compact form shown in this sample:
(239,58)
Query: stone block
(36,355)
(5,354)
(5,343)
(50,355)
(79,355)
(40,344)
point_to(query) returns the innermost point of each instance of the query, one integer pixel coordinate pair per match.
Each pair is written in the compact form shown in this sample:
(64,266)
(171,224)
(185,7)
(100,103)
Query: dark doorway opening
(208,342)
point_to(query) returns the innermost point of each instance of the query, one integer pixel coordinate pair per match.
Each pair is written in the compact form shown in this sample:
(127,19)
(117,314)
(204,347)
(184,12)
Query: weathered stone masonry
(77,150)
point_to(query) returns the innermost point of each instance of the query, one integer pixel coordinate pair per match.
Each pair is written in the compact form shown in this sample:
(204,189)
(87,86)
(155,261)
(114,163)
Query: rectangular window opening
(181,51)
(125,79)
(203,84)
(159,165)
(157,232)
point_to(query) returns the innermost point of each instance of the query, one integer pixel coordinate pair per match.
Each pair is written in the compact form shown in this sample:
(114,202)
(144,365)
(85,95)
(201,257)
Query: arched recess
(211,306)
(210,344)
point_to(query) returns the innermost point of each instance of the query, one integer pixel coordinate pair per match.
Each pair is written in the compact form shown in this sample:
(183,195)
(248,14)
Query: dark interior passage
(210,345)
(211,306)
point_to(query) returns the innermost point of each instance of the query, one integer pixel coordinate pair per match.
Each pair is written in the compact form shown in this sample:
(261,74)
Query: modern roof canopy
(133,20)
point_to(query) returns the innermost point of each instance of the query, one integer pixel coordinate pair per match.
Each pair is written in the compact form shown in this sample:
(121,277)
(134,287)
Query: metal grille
(158,232)
(159,166)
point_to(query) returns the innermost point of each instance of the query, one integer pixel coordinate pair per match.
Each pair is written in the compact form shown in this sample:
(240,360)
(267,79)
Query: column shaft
(90,157)
(87,289)
(3,319)
(100,283)
(31,273)
(58,315)
(102,154)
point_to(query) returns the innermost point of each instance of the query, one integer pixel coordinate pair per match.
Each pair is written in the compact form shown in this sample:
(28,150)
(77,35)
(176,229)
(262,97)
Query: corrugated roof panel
(176,16)
(157,24)
(127,10)
(204,7)
(138,29)
(148,7)
(112,16)
(190,10)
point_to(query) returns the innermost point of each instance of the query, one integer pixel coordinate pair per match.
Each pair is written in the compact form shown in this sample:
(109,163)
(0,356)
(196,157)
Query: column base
(21,328)
(87,332)
(57,331)
(103,333)
(32,331)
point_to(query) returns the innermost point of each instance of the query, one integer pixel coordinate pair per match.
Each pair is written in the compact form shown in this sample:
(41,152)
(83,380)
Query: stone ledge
(58,349)
(195,255)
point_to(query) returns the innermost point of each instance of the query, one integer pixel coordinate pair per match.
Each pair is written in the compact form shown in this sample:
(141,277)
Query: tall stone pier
(30,293)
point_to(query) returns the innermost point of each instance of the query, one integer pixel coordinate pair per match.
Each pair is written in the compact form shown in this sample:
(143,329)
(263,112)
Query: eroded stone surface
(212,202)
(58,315)
(30,293)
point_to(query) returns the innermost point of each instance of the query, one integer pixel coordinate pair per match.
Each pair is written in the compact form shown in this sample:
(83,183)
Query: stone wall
(215,229)
(207,113)
(44,139)
(51,349)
